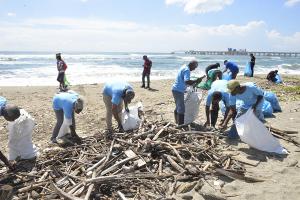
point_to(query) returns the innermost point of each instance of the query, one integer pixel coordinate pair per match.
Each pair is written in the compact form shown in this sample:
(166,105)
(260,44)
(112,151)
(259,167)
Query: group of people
(118,93)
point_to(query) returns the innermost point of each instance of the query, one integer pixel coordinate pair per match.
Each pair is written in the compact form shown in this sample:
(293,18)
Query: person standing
(233,68)
(61,68)
(64,106)
(114,93)
(252,63)
(146,72)
(178,89)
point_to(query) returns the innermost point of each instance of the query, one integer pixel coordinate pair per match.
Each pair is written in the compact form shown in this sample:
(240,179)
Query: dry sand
(281,173)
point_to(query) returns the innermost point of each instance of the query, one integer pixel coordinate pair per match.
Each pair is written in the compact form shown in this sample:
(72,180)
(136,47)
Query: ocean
(39,68)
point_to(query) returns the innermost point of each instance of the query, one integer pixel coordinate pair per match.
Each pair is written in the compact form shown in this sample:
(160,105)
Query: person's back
(249,96)
(115,90)
(182,76)
(232,66)
(64,101)
(213,66)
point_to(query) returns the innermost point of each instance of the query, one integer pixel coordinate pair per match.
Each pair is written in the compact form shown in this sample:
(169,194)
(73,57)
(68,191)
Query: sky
(149,25)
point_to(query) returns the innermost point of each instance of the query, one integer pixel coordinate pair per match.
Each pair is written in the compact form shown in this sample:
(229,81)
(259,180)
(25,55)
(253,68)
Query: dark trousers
(59,114)
(148,79)
(214,114)
(252,69)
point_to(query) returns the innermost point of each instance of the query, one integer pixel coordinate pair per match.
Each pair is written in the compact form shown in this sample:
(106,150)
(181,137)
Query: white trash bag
(192,102)
(131,120)
(253,132)
(20,137)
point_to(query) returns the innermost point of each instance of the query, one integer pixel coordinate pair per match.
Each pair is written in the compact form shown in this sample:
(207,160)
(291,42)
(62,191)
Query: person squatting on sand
(178,89)
(114,93)
(214,96)
(61,68)
(272,76)
(10,114)
(64,106)
(250,96)
(146,72)
(233,68)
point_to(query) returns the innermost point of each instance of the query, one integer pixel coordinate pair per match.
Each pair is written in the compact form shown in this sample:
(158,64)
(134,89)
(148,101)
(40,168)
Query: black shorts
(61,77)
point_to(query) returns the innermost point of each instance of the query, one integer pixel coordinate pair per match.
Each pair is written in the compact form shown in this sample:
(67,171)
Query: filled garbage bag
(272,98)
(192,102)
(267,109)
(20,137)
(227,76)
(255,134)
(248,71)
(131,119)
(278,79)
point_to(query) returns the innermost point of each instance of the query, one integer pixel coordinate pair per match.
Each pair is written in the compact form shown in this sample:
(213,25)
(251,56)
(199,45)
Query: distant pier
(256,53)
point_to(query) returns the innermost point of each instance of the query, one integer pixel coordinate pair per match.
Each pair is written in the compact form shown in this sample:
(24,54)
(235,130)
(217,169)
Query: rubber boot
(213,117)
(176,116)
(180,119)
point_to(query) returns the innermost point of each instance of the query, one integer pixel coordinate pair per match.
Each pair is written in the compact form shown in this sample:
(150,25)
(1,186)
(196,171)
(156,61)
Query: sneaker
(142,86)
(53,141)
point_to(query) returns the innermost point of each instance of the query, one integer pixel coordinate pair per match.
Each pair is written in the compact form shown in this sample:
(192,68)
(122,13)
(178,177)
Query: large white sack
(253,132)
(192,102)
(131,120)
(20,137)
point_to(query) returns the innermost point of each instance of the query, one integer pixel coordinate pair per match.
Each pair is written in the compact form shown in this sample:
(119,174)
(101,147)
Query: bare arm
(4,159)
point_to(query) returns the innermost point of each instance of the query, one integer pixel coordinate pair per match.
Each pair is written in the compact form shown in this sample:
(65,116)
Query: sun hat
(232,85)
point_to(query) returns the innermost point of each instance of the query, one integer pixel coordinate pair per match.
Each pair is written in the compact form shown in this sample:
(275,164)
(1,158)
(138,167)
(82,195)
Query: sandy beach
(281,174)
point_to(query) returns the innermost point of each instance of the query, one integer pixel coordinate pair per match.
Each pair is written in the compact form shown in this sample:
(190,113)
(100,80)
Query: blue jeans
(179,101)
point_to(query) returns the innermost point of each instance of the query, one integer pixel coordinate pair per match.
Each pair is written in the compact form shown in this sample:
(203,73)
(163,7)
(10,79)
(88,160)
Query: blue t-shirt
(183,76)
(248,97)
(232,67)
(65,101)
(116,90)
(225,97)
(2,104)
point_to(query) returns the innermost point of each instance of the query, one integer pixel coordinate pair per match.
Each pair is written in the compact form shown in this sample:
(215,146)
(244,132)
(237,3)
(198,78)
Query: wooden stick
(175,165)
(233,175)
(99,169)
(116,165)
(64,194)
(160,131)
(121,195)
(96,165)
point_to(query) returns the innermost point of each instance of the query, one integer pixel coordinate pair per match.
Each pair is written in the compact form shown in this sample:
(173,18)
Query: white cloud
(65,34)
(291,3)
(201,6)
(83,1)
(10,14)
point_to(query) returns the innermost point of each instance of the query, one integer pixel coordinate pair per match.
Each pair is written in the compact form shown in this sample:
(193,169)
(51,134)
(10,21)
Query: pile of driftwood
(157,161)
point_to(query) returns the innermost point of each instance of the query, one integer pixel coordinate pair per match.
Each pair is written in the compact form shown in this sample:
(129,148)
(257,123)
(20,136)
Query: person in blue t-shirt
(64,106)
(233,68)
(178,89)
(214,96)
(114,93)
(10,113)
(249,94)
